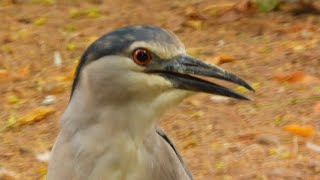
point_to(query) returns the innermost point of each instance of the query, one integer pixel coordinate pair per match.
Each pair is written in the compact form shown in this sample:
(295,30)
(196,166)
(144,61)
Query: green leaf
(267,5)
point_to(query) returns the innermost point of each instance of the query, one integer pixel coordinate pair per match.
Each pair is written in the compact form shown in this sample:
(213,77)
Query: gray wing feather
(166,138)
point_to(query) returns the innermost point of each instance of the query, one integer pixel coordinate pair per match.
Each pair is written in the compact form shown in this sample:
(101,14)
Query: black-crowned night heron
(125,81)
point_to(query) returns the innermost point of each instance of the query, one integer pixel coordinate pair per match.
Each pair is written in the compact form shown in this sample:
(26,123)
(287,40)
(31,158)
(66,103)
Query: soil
(277,52)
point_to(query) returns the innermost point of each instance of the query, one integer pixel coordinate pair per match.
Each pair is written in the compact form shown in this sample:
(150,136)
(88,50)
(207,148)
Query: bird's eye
(141,56)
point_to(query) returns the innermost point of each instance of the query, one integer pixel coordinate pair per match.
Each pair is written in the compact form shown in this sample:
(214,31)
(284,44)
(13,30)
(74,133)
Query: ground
(275,136)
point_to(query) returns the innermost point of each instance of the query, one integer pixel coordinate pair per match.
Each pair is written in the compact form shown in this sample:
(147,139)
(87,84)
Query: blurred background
(273,44)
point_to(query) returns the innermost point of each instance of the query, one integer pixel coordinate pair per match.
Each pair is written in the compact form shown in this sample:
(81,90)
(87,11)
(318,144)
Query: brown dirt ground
(219,140)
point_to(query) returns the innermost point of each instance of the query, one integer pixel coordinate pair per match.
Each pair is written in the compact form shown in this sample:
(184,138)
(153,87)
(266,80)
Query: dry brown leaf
(237,11)
(246,137)
(223,59)
(24,72)
(244,6)
(21,73)
(192,13)
(4,73)
(35,115)
(295,77)
(304,131)
(216,9)
(230,16)
(69,76)
(55,88)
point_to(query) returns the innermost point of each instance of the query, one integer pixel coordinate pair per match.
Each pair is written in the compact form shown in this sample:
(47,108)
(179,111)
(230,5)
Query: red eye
(141,56)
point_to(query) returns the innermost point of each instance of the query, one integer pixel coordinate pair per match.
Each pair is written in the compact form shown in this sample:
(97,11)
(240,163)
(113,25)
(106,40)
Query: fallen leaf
(75,13)
(70,28)
(13,99)
(216,9)
(7,2)
(244,6)
(12,120)
(246,137)
(241,89)
(197,114)
(220,166)
(40,21)
(237,11)
(285,155)
(299,48)
(71,46)
(194,24)
(280,152)
(295,77)
(268,139)
(24,71)
(70,75)
(273,151)
(21,34)
(304,131)
(194,14)
(42,171)
(8,49)
(196,51)
(4,73)
(35,115)
(223,59)
(93,13)
(279,119)
(267,5)
(55,88)
(230,16)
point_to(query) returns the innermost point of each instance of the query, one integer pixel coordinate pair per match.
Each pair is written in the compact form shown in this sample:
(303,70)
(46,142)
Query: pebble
(57,59)
(220,99)
(48,100)
(267,139)
(221,43)
(44,157)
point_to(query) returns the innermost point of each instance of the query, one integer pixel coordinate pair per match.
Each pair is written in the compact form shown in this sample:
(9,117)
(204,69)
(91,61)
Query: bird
(125,81)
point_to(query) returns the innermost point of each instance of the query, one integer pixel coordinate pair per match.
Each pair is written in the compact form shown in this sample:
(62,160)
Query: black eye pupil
(142,56)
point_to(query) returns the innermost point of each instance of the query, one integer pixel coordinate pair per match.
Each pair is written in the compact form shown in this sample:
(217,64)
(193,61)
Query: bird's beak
(179,72)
